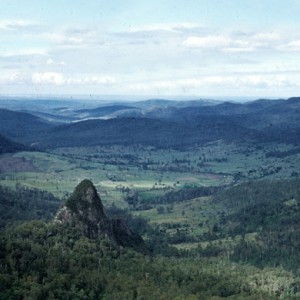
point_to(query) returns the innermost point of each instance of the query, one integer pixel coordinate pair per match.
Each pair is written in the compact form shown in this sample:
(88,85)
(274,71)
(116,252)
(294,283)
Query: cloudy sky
(161,48)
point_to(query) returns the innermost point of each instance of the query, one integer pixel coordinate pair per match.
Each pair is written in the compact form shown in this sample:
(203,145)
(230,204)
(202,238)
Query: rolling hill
(144,131)
(22,127)
(103,110)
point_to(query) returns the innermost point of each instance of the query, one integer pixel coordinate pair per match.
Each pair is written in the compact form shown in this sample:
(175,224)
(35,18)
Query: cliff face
(85,212)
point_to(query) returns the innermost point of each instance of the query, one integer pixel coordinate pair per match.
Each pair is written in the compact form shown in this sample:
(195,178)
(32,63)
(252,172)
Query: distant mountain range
(158,123)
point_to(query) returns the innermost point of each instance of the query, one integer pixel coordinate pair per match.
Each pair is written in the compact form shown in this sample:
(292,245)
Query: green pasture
(59,174)
(146,169)
(151,172)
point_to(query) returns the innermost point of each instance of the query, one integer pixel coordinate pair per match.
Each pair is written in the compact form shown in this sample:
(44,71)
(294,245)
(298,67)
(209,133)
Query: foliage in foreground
(43,261)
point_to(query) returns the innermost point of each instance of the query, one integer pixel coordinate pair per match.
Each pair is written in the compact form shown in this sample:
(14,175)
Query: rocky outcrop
(84,211)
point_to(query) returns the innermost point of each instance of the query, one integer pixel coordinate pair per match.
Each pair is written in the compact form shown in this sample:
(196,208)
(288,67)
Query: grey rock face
(85,212)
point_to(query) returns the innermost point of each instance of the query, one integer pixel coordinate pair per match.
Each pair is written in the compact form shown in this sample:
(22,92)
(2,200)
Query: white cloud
(171,27)
(59,79)
(194,83)
(48,77)
(51,62)
(10,78)
(24,52)
(13,25)
(291,46)
(139,57)
(180,84)
(263,81)
(236,43)
(56,37)
(92,79)
(73,37)
(206,42)
(236,82)
(239,49)
(267,36)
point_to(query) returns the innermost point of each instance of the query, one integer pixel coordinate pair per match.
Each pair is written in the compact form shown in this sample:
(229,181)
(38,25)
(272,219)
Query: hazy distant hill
(54,117)
(175,103)
(281,114)
(259,107)
(152,108)
(104,110)
(258,114)
(158,124)
(22,127)
(190,111)
(157,108)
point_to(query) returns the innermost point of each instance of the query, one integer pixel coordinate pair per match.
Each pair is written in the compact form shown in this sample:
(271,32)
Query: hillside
(271,211)
(9,146)
(257,114)
(102,111)
(22,127)
(149,132)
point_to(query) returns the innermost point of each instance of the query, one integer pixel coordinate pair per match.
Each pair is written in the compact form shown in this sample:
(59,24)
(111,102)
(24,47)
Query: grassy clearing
(194,217)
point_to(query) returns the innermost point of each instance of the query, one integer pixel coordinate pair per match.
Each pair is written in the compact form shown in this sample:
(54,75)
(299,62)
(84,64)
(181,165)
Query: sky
(165,48)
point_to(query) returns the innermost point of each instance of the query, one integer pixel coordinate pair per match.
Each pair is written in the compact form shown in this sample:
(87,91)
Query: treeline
(239,197)
(186,193)
(137,202)
(26,204)
(283,154)
(271,249)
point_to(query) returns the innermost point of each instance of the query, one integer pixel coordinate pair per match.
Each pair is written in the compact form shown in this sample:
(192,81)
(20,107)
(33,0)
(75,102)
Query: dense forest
(42,261)
(271,210)
(26,204)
